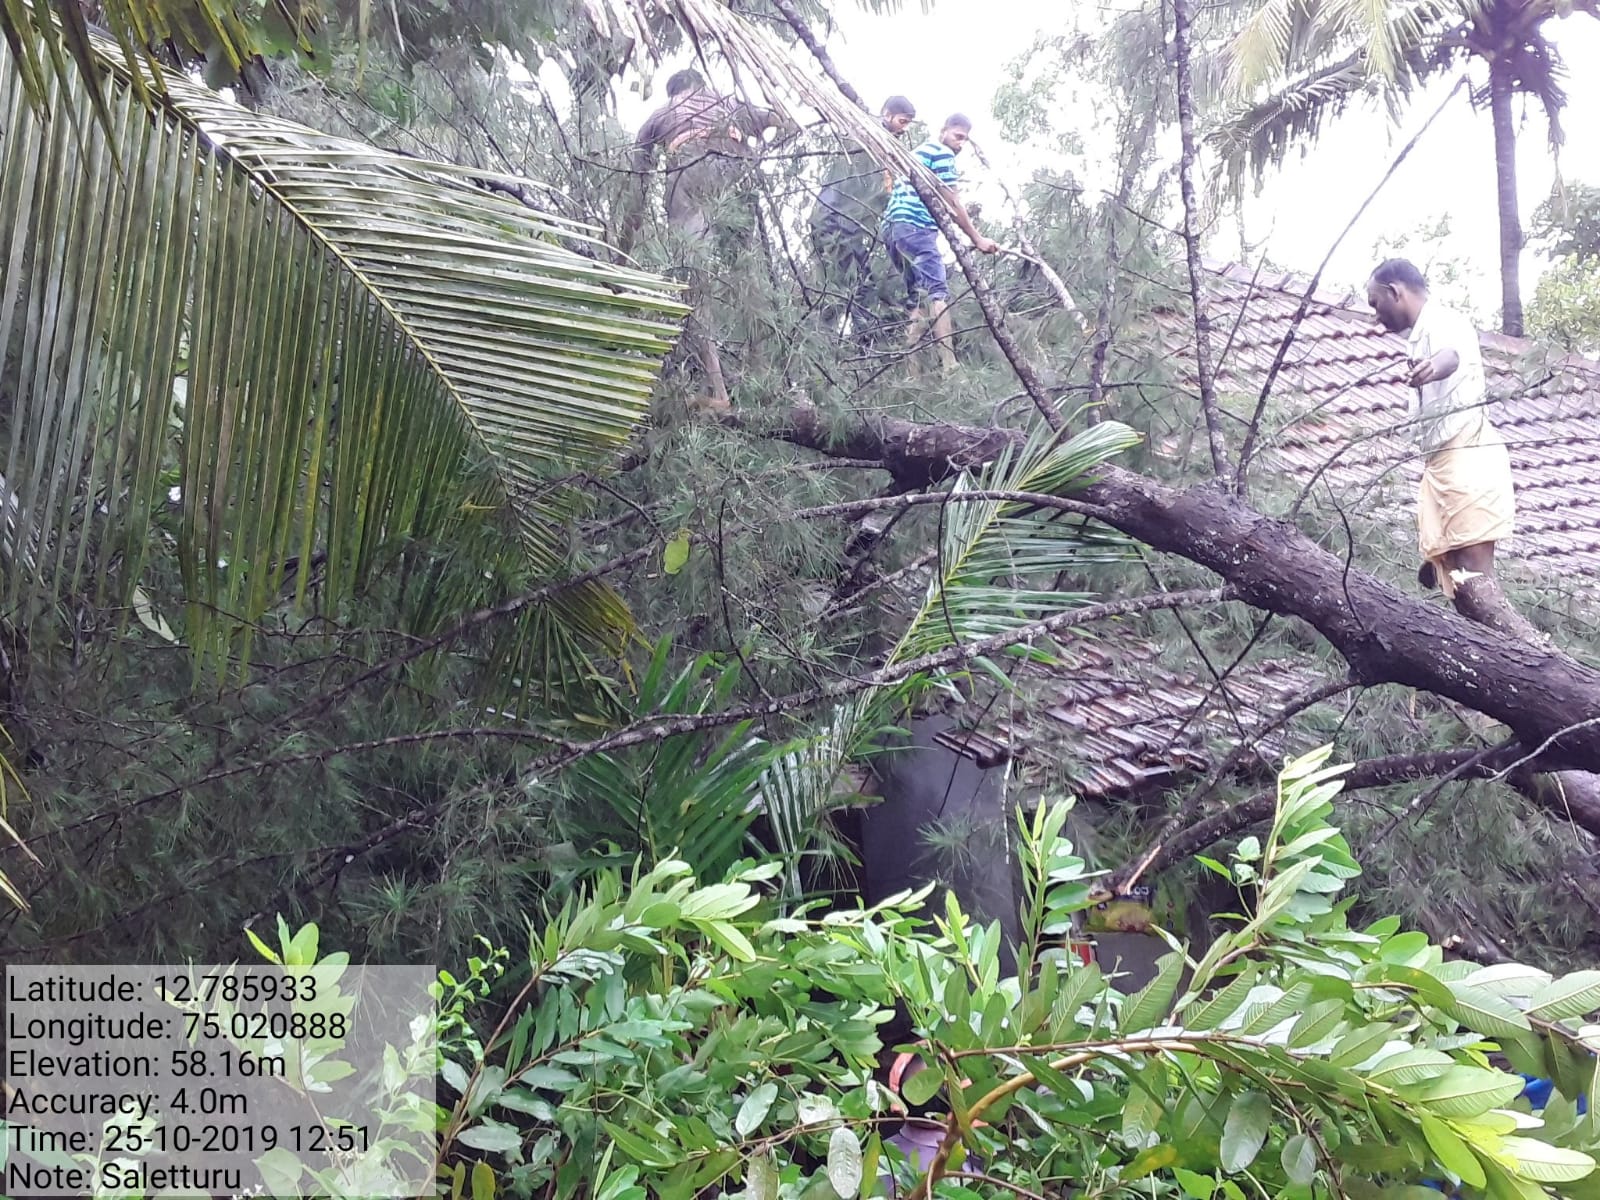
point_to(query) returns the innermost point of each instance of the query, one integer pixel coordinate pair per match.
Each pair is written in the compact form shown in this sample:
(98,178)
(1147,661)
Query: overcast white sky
(954,57)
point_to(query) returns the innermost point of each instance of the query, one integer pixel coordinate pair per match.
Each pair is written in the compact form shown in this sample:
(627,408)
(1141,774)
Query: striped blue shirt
(904,203)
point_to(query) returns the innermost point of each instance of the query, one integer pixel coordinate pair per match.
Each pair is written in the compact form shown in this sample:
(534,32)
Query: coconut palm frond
(996,573)
(1254,136)
(1260,135)
(1261,46)
(808,780)
(47,38)
(998,559)
(304,344)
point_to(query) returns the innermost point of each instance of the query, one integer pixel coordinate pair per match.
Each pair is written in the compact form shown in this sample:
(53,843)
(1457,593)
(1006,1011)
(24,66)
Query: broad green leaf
(1299,1159)
(755,1108)
(1464,1091)
(1208,1014)
(1150,1005)
(844,1162)
(1360,1044)
(869,1166)
(1409,1067)
(1150,1160)
(728,936)
(1572,995)
(262,948)
(548,1077)
(482,1181)
(491,1135)
(1544,1163)
(676,552)
(1195,1185)
(1452,1153)
(637,1147)
(811,1109)
(1484,1012)
(1245,1131)
(1509,979)
(923,1086)
(761,1178)
(1141,1112)
(1261,1018)
(280,1171)
(1317,1022)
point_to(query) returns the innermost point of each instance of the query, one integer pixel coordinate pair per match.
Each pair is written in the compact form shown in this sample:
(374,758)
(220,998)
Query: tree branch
(1374,772)
(1191,241)
(1384,635)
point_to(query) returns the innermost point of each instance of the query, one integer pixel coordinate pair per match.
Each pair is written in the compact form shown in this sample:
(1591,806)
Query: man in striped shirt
(912,236)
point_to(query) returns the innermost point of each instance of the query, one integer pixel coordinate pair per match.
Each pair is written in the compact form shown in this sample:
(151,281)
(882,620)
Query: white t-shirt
(1446,408)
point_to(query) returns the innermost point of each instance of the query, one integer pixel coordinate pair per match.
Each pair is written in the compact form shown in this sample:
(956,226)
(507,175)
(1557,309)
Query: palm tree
(306,345)
(1294,63)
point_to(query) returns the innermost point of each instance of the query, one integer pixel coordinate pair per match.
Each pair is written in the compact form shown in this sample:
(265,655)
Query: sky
(955,56)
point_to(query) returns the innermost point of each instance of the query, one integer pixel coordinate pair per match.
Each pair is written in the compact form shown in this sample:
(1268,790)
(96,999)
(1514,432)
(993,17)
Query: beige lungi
(1465,497)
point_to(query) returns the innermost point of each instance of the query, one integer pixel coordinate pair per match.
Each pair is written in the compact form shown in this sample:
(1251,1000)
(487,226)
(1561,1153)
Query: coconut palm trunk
(1501,89)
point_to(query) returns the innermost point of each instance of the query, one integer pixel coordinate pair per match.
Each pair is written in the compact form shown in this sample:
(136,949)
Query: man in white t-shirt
(1465,503)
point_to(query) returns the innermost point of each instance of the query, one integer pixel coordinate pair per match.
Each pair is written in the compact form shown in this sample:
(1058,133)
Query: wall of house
(930,791)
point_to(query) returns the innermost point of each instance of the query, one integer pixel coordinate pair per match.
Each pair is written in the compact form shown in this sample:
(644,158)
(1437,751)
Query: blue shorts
(915,253)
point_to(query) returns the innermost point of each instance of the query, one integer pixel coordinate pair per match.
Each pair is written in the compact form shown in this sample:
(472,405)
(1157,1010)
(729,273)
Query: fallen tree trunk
(915,454)
(1551,702)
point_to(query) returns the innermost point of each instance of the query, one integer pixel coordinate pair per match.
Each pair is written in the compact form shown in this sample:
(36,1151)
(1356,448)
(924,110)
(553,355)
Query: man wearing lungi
(1465,504)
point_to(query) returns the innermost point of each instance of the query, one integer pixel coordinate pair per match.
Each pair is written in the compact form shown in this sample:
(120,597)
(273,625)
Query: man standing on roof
(705,140)
(1465,504)
(912,236)
(845,222)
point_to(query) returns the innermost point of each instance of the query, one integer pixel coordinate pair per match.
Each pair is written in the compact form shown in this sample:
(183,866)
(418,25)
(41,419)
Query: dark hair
(1402,271)
(899,104)
(958,121)
(686,80)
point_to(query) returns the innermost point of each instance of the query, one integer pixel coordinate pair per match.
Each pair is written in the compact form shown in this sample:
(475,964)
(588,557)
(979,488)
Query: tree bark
(1385,635)
(1501,90)
(1548,700)
(916,455)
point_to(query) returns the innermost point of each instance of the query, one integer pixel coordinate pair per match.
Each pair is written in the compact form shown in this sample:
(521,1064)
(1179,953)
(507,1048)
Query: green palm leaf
(998,559)
(339,336)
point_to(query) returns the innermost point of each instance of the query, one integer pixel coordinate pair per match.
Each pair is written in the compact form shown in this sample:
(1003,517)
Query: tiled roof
(1116,722)
(1341,399)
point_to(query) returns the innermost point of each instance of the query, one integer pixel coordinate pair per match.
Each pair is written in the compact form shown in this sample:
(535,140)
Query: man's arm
(1459,338)
(1442,365)
(959,211)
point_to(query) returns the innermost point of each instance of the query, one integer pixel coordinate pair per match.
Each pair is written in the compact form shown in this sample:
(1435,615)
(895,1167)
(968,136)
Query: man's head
(1396,292)
(898,112)
(957,129)
(684,81)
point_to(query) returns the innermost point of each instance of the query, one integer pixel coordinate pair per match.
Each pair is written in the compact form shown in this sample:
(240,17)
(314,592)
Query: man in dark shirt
(704,138)
(845,221)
